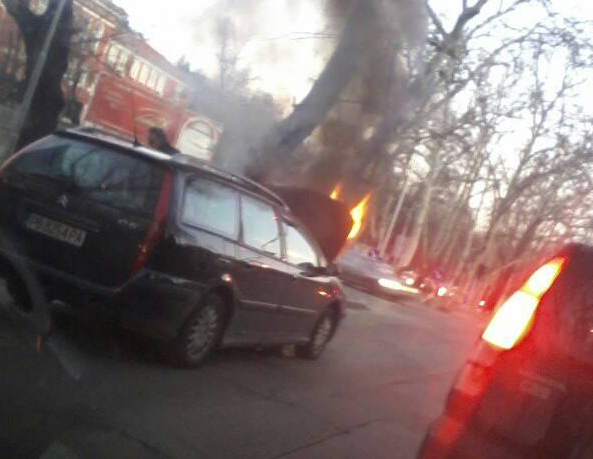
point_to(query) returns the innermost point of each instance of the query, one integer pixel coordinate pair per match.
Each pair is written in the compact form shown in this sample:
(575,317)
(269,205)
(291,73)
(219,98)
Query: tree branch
(26,20)
(435,19)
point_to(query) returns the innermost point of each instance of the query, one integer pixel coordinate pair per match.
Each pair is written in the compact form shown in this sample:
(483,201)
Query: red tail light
(513,320)
(157,226)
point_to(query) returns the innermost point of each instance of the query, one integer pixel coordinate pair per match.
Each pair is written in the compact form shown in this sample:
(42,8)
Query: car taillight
(513,320)
(157,226)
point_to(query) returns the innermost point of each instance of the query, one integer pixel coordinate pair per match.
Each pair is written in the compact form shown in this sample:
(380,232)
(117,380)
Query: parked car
(365,270)
(185,253)
(526,390)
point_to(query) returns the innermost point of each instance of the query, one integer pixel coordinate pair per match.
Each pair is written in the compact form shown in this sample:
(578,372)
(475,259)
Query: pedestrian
(157,139)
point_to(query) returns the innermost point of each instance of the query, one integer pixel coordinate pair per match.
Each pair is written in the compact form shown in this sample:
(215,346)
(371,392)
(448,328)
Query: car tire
(200,335)
(320,336)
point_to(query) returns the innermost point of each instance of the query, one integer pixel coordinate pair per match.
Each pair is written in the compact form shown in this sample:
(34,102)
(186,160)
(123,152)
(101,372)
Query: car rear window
(96,172)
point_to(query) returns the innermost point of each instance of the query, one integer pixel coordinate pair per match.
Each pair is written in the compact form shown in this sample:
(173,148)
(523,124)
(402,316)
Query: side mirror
(309,270)
(332,270)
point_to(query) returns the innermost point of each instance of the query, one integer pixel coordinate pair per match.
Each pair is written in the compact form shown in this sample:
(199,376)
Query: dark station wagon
(174,248)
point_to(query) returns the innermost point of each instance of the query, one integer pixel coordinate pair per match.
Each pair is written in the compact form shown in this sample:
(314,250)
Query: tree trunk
(422,215)
(48,100)
(354,42)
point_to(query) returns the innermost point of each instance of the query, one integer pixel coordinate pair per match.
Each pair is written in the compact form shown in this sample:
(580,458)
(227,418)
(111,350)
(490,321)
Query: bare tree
(352,46)
(232,77)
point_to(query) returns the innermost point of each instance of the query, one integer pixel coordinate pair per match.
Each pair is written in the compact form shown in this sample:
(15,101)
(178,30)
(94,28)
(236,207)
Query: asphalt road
(371,395)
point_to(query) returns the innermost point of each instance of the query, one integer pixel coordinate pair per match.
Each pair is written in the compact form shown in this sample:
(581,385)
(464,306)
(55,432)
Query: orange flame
(357,214)
(336,192)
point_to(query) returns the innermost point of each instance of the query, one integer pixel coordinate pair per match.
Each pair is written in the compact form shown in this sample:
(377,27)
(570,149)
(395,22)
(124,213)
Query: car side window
(260,226)
(298,248)
(211,206)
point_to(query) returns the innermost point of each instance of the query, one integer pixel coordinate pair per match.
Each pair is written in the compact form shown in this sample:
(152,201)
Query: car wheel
(322,333)
(200,335)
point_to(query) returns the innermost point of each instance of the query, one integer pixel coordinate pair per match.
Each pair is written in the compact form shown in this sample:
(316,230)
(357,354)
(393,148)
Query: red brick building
(116,80)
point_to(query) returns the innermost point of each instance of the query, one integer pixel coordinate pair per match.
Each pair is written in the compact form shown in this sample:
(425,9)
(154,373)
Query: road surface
(371,395)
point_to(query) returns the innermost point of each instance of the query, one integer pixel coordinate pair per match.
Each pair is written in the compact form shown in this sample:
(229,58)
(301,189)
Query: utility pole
(33,82)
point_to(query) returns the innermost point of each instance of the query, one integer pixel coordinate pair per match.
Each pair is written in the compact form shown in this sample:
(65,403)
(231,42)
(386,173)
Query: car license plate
(56,230)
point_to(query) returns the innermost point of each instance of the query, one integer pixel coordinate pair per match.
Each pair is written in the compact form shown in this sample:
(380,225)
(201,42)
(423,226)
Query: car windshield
(277,228)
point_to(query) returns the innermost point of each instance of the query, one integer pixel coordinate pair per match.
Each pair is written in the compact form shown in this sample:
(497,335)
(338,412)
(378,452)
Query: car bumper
(151,303)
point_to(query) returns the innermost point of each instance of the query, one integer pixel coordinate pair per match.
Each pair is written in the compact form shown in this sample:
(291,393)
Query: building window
(135,70)
(152,80)
(160,86)
(112,56)
(98,32)
(122,63)
(144,74)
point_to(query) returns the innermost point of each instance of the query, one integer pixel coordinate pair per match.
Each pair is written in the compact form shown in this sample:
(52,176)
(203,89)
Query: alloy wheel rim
(202,332)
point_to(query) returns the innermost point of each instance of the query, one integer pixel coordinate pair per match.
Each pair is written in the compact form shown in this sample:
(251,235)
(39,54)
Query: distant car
(438,292)
(365,270)
(188,254)
(526,391)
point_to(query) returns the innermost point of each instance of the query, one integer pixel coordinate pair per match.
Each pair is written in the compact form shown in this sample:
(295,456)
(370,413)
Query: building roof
(105,9)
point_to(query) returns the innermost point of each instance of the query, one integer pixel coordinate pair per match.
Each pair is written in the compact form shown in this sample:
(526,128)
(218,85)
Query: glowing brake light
(513,319)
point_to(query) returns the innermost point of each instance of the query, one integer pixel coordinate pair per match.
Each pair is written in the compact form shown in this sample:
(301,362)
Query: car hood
(327,220)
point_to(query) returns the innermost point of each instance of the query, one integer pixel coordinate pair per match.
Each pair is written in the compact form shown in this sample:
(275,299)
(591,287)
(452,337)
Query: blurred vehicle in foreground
(363,268)
(526,390)
(188,254)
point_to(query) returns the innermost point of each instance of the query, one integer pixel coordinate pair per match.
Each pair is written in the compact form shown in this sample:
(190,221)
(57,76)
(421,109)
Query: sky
(283,57)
